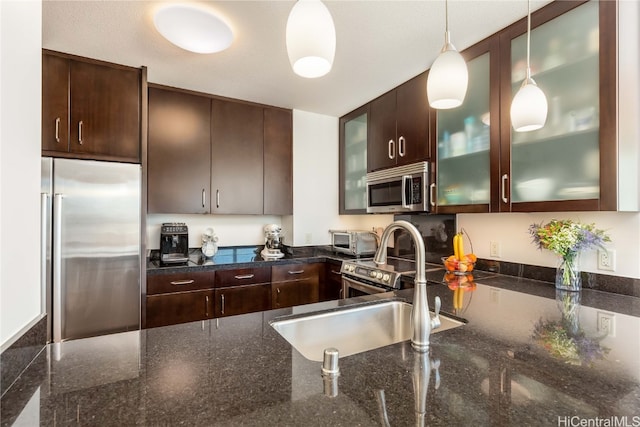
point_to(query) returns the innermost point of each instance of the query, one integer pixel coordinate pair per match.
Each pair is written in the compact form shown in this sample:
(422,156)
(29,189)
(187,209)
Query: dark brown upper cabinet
(214,155)
(237,152)
(90,109)
(571,163)
(179,165)
(467,138)
(278,161)
(399,126)
(352,172)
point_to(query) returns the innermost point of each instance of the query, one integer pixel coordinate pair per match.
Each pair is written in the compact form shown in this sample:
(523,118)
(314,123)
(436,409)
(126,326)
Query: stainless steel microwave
(399,189)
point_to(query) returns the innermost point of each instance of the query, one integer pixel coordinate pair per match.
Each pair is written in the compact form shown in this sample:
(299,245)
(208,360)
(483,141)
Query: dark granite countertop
(242,257)
(239,371)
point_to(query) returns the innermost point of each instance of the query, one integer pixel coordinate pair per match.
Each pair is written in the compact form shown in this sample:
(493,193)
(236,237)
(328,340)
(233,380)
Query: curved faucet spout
(420,315)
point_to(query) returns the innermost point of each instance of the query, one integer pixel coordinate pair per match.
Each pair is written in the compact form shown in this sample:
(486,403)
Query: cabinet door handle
(206,305)
(296,272)
(505,177)
(182,282)
(402,142)
(277,297)
(217,198)
(336,272)
(392,149)
(80,125)
(432,194)
(57,129)
(204,198)
(222,303)
(244,276)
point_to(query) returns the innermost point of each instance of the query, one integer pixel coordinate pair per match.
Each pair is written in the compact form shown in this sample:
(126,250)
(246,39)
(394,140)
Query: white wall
(232,230)
(20,112)
(315,183)
(511,231)
(315,197)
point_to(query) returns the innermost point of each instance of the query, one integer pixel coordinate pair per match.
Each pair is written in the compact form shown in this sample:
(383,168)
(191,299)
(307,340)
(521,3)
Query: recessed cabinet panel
(242,299)
(55,103)
(179,152)
(463,176)
(560,161)
(180,307)
(236,158)
(105,110)
(278,162)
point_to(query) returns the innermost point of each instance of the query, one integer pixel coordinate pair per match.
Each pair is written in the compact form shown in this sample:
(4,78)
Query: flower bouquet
(567,239)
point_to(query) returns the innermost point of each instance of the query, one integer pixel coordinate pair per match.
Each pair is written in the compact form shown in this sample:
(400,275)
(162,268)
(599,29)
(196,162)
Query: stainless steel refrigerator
(91,256)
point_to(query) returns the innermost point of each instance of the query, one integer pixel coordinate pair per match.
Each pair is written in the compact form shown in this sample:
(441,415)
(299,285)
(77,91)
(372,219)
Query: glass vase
(568,276)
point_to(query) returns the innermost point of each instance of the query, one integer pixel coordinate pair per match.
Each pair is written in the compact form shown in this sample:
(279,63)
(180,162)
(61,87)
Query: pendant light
(529,106)
(448,77)
(311,38)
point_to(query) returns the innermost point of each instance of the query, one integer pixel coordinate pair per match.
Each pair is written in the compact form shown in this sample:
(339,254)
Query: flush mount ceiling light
(311,38)
(194,29)
(448,77)
(529,106)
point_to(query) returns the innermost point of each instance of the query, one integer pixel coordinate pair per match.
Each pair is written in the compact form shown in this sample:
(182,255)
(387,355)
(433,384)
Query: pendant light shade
(529,106)
(311,38)
(193,29)
(448,77)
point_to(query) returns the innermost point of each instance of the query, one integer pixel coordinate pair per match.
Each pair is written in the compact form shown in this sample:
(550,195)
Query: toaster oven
(354,242)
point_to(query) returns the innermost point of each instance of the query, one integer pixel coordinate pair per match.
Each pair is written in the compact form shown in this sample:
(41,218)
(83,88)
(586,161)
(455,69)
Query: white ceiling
(380,44)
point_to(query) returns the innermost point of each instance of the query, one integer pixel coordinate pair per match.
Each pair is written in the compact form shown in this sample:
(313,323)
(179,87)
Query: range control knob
(378,275)
(372,274)
(386,277)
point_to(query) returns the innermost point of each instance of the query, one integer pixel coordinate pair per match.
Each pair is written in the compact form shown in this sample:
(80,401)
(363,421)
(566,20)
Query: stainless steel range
(364,277)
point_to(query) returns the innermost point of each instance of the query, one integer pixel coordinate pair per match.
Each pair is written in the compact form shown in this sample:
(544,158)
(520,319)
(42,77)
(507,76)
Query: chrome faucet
(420,318)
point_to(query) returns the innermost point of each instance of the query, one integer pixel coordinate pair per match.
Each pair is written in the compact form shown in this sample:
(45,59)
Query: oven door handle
(362,287)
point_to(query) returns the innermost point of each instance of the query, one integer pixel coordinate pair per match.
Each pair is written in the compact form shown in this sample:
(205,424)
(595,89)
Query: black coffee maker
(174,243)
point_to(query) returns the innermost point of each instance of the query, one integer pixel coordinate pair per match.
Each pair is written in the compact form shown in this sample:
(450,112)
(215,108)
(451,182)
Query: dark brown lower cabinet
(331,285)
(242,299)
(295,284)
(179,307)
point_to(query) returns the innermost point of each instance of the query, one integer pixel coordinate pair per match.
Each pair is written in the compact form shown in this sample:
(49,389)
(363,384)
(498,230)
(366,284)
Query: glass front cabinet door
(567,164)
(464,136)
(353,161)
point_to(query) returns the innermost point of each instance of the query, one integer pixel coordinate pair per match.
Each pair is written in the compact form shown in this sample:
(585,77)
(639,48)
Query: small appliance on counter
(209,243)
(354,242)
(174,243)
(273,242)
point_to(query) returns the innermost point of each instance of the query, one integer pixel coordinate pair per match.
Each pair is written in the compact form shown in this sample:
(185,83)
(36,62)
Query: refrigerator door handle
(57,267)
(44,216)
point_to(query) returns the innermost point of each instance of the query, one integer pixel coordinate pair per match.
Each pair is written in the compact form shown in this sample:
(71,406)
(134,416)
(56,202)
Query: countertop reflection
(237,370)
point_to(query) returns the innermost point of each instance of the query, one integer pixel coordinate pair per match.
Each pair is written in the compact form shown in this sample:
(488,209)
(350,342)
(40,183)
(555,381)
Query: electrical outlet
(494,249)
(606,323)
(494,296)
(607,259)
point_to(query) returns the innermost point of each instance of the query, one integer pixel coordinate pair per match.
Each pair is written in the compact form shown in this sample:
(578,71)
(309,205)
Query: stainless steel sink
(352,330)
